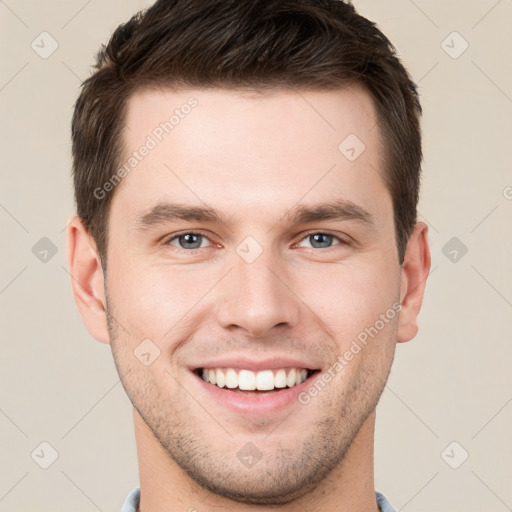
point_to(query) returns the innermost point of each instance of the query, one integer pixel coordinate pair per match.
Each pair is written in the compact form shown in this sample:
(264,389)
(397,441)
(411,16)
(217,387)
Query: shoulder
(131,502)
(383,503)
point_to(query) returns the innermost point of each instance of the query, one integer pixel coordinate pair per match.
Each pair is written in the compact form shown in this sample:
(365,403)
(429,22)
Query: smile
(242,380)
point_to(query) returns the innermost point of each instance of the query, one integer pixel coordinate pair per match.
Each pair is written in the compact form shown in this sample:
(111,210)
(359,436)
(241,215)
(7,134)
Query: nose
(257,297)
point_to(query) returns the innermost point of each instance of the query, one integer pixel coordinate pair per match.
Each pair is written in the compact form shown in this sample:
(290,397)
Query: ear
(415,269)
(87,279)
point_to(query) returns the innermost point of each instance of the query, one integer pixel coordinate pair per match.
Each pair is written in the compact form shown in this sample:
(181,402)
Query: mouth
(248,382)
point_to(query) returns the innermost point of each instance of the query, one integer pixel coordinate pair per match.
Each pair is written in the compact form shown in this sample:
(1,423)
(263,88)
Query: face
(246,241)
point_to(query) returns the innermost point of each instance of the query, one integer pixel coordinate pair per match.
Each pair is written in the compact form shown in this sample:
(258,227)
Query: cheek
(350,297)
(155,299)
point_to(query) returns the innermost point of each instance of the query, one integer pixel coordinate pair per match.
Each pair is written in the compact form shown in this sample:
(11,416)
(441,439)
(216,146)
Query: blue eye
(189,241)
(319,240)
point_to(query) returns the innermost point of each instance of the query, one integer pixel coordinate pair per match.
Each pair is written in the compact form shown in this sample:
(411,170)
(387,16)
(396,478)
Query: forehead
(160,111)
(235,149)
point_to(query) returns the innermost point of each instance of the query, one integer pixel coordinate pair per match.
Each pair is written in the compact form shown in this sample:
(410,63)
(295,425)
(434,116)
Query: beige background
(452,383)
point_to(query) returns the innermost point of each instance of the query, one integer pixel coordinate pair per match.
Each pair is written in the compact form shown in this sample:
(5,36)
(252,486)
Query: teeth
(221,378)
(231,379)
(247,380)
(265,380)
(280,379)
(291,378)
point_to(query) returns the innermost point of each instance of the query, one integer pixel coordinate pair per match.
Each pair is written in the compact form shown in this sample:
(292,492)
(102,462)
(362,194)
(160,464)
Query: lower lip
(265,403)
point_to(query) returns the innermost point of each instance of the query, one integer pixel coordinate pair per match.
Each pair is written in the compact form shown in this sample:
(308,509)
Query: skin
(254,158)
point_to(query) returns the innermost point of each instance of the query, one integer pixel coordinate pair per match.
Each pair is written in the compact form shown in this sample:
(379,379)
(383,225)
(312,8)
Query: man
(246,177)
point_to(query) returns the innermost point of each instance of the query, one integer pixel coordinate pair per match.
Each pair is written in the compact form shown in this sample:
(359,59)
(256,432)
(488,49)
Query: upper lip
(245,363)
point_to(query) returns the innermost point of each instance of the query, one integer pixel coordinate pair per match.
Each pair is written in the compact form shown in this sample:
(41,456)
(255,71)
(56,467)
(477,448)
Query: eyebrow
(333,210)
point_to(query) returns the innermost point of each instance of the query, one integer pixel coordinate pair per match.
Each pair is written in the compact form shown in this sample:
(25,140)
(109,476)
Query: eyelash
(304,236)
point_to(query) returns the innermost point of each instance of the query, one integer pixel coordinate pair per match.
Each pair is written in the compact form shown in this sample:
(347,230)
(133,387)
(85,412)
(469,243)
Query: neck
(166,487)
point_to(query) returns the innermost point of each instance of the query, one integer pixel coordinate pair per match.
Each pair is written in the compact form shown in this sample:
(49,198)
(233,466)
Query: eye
(320,240)
(191,241)
(188,241)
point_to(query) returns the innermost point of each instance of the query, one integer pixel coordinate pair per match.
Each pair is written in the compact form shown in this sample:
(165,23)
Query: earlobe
(87,280)
(415,271)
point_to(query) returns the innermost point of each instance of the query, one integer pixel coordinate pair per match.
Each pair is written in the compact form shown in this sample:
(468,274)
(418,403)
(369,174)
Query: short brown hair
(244,44)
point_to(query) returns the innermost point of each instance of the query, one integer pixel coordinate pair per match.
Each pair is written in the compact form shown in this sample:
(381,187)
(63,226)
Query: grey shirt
(132,502)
